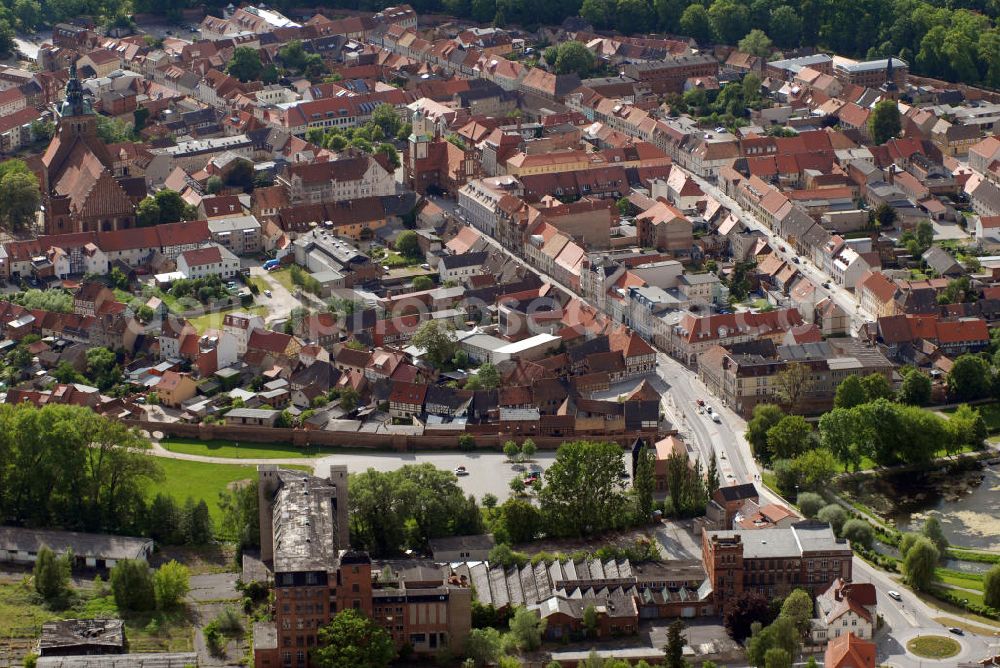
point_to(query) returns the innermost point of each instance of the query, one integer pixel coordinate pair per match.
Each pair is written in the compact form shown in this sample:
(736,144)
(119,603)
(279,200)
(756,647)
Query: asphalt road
(842,297)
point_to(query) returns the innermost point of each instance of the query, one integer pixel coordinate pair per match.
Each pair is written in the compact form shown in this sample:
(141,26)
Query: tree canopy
(65,466)
(585,489)
(352,640)
(394,510)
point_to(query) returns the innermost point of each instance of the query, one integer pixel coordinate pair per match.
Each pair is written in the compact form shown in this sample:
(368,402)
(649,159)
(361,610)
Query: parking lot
(488,472)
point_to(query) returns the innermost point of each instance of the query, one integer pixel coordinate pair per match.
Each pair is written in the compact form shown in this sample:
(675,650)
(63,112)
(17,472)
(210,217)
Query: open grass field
(201,481)
(934,647)
(230,450)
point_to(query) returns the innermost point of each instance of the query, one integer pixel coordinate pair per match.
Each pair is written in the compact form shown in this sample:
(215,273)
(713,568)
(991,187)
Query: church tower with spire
(889,89)
(79,189)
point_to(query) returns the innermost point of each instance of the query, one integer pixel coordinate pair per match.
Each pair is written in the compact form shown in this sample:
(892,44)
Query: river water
(967,502)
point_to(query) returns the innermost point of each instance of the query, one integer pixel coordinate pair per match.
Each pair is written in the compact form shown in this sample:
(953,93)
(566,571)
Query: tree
(422,496)
(52,575)
(919,564)
(385,116)
(970,378)
(245,64)
(526,629)
(859,532)
(489,376)
(573,57)
(528,449)
(792,384)
(695,23)
(966,428)
(915,389)
(674,649)
(437,339)
(643,485)
(214,185)
(349,398)
(590,619)
(421,283)
(520,519)
(7,44)
(790,437)
(756,43)
(777,658)
(833,515)
(632,16)
(148,213)
(782,634)
(585,489)
(132,586)
(876,386)
(483,646)
(785,27)
(164,524)
(241,175)
(511,450)
(813,469)
(886,215)
(744,610)
(102,368)
(934,533)
(764,417)
(240,510)
(352,640)
(197,522)
(20,195)
(408,245)
(810,503)
(991,587)
(850,393)
(66,466)
(173,208)
(171,583)
(884,122)
(798,606)
(730,20)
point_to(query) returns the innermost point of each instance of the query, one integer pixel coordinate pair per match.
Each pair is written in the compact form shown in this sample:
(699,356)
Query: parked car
(460,471)
(267,293)
(716,419)
(708,409)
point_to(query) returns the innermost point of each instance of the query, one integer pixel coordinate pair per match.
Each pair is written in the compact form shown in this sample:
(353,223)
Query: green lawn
(214,320)
(229,450)
(283,276)
(934,647)
(960,579)
(202,481)
(394,259)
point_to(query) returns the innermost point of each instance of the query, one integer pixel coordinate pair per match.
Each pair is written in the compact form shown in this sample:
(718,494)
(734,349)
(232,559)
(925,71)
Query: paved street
(842,297)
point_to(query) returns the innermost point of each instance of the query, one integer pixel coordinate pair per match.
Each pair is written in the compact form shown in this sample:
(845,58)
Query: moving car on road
(894,595)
